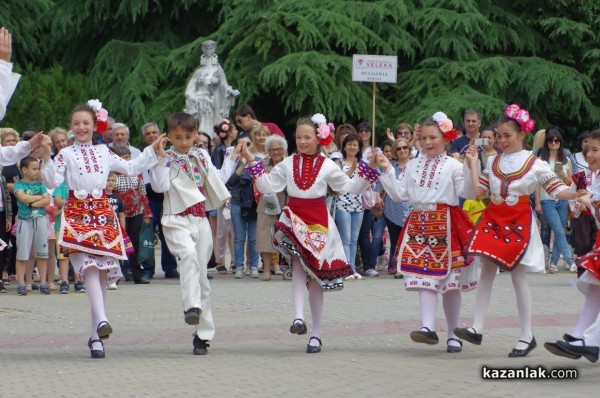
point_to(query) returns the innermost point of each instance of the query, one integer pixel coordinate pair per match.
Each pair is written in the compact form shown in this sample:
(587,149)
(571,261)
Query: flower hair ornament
(324,129)
(521,116)
(445,125)
(101,115)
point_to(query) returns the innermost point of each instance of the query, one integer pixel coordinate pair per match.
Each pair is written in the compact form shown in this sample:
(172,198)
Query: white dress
(526,184)
(305,228)
(85,167)
(426,182)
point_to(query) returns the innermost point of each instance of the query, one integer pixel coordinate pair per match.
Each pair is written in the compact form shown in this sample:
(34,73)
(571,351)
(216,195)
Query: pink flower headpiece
(445,125)
(101,115)
(324,129)
(520,116)
(225,124)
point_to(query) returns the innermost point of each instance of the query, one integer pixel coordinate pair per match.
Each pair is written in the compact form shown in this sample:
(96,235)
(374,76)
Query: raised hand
(383,161)
(159,145)
(389,134)
(5,44)
(471,156)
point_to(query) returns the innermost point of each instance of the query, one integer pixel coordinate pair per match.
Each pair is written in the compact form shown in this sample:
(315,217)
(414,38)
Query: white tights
(522,292)
(95,287)
(315,298)
(591,308)
(428,301)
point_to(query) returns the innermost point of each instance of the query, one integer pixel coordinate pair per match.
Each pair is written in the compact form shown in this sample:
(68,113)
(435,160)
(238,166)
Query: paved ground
(367,351)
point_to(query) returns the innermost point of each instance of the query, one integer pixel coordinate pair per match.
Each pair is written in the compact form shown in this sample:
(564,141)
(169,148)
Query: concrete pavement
(367,350)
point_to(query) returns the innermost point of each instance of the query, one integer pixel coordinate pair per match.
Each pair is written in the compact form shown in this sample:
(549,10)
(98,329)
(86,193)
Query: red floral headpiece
(324,129)
(445,125)
(521,116)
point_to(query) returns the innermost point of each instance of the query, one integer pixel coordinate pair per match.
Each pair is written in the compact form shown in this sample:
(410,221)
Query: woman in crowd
(268,210)
(556,211)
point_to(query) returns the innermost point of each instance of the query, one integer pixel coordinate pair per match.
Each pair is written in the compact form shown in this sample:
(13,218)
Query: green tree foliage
(293,57)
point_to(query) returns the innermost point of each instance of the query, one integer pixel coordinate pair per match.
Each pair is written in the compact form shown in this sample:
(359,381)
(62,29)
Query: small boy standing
(32,230)
(180,175)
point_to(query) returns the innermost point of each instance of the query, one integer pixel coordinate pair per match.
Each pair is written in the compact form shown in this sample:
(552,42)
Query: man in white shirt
(120,136)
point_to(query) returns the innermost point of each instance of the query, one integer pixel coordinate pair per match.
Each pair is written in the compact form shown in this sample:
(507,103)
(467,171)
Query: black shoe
(555,349)
(515,353)
(200,346)
(2,288)
(96,354)
(104,330)
(424,336)
(209,276)
(172,275)
(311,349)
(128,278)
(141,281)
(568,338)
(298,327)
(192,316)
(453,348)
(465,334)
(589,352)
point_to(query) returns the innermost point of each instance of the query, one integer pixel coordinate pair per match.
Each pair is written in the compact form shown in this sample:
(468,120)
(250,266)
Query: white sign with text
(374,68)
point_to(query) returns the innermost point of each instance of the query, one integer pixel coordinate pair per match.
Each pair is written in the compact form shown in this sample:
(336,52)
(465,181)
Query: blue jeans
(377,230)
(348,225)
(556,212)
(167,260)
(243,230)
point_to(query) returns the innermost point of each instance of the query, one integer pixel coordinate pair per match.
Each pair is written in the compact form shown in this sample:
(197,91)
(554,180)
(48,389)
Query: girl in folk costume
(506,235)
(89,227)
(435,234)
(578,343)
(305,233)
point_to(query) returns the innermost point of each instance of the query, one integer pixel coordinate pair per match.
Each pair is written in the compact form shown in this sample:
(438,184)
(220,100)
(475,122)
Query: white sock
(315,299)
(298,287)
(428,305)
(590,310)
(452,303)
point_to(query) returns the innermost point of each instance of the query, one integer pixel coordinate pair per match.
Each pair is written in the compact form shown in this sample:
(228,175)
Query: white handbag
(215,191)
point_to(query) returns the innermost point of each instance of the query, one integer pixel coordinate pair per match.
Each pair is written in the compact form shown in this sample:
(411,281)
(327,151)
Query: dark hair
(582,137)
(209,142)
(472,111)
(244,111)
(553,132)
(430,122)
(350,138)
(491,127)
(243,134)
(364,126)
(512,122)
(27,160)
(85,108)
(183,120)
(340,130)
(29,133)
(595,134)
(120,150)
(218,128)
(385,143)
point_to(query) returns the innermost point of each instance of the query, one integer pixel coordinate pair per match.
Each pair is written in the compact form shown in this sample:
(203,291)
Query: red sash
(591,260)
(503,232)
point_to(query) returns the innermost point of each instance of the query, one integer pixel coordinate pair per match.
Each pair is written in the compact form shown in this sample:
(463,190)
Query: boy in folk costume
(305,233)
(181,176)
(507,236)
(431,248)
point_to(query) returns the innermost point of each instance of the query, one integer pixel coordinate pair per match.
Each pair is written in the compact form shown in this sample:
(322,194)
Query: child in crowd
(181,176)
(306,234)
(119,208)
(431,249)
(507,236)
(89,227)
(578,343)
(32,228)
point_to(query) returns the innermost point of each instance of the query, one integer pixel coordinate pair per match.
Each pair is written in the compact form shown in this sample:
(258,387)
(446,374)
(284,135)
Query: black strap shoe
(96,354)
(466,334)
(453,348)
(589,352)
(424,335)
(192,316)
(311,349)
(298,327)
(555,349)
(104,330)
(515,353)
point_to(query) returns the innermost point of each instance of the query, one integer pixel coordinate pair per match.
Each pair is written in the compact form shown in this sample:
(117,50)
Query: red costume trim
(306,177)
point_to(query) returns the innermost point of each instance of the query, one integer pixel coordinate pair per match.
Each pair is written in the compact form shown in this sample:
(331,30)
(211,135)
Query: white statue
(208,96)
